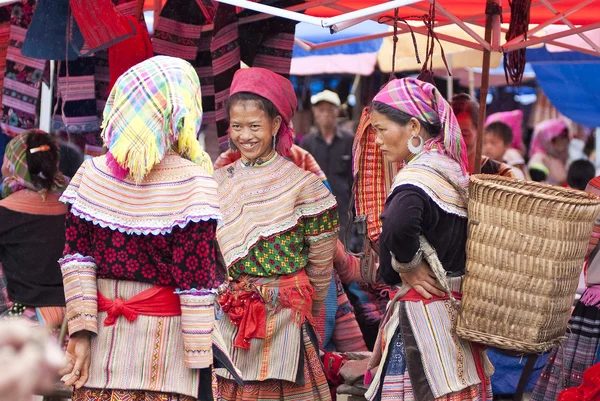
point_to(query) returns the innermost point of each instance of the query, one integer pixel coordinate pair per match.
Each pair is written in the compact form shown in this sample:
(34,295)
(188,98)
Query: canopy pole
(157,7)
(449,80)
(471,82)
(492,23)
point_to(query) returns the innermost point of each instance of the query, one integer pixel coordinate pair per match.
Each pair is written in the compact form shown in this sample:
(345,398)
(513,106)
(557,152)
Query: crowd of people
(180,280)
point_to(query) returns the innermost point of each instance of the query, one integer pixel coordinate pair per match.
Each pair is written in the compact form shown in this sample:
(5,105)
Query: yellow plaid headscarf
(152,107)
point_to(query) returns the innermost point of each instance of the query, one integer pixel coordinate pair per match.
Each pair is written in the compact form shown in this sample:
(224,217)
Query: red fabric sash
(155,301)
(246,307)
(413,296)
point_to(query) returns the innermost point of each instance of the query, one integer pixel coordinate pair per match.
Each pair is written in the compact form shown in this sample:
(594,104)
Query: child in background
(580,174)
(497,145)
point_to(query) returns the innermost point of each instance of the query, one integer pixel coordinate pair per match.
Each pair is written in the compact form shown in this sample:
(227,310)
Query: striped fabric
(79,279)
(4,35)
(122,205)
(575,355)
(275,357)
(21,90)
(146,354)
(372,176)
(266,43)
(447,363)
(89,394)
(314,387)
(76,97)
(274,197)
(197,323)
(426,171)
(98,21)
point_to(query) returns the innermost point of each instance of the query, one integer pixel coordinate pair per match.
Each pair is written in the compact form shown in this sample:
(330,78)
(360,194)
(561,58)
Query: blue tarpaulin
(571,81)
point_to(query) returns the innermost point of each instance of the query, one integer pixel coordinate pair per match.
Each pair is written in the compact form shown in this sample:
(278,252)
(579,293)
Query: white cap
(326,96)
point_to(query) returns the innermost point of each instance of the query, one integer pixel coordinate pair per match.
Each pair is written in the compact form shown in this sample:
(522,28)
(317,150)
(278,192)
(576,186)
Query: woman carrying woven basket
(422,248)
(581,349)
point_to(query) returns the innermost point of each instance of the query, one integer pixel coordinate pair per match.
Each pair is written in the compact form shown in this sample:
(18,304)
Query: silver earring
(274,141)
(415,149)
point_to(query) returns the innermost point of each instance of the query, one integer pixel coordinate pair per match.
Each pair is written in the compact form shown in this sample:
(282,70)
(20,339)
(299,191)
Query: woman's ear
(277,121)
(414,126)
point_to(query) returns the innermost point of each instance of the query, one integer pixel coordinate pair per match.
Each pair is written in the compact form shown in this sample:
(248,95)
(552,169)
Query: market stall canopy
(458,56)
(357,58)
(579,16)
(465,10)
(581,102)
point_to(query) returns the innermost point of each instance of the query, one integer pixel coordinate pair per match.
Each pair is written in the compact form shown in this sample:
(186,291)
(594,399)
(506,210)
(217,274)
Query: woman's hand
(423,281)
(78,360)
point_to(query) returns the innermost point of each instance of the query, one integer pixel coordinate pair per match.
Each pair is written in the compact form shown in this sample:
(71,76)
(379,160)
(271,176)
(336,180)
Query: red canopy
(466,10)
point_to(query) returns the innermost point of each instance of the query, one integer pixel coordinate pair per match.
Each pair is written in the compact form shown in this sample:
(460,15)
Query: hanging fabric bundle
(129,52)
(514,61)
(48,36)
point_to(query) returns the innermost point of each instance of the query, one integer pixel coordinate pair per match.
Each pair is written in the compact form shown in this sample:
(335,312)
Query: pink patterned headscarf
(544,133)
(514,119)
(278,90)
(423,101)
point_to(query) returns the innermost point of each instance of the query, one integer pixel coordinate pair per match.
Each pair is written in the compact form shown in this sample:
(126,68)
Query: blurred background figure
(331,147)
(549,152)
(580,173)
(29,360)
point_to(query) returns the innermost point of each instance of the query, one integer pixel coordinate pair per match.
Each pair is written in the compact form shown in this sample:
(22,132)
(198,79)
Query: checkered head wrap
(424,102)
(153,107)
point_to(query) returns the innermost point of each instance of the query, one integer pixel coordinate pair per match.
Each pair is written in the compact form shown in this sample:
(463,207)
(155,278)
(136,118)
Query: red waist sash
(155,301)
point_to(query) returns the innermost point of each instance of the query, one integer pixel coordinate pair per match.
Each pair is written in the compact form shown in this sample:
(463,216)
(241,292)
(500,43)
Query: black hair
(537,174)
(463,103)
(402,118)
(43,166)
(580,174)
(502,131)
(264,104)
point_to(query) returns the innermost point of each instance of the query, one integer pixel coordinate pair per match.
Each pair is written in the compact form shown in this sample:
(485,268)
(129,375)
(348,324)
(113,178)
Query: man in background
(332,149)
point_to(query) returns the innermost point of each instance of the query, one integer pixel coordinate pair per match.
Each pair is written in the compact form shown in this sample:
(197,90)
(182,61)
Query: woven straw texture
(525,251)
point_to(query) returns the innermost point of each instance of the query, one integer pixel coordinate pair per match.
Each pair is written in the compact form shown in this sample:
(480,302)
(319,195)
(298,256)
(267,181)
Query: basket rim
(495,182)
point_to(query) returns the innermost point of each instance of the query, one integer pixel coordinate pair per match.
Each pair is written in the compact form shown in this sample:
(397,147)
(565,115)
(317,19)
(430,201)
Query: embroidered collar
(261,161)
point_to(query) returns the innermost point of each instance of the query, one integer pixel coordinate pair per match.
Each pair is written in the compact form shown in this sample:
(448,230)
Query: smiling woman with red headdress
(277,238)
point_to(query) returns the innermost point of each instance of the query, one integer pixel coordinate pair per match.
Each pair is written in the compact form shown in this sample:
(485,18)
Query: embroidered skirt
(92,394)
(418,356)
(575,355)
(312,385)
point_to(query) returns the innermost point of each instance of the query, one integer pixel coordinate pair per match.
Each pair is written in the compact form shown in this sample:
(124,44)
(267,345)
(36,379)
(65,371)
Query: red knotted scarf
(156,301)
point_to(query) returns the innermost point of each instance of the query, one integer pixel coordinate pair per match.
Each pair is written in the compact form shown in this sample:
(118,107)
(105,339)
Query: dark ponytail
(43,164)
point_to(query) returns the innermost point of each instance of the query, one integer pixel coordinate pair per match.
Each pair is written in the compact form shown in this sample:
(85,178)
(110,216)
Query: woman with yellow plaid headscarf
(140,265)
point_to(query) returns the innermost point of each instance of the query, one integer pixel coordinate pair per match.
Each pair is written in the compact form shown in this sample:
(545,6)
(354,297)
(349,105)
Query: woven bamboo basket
(525,251)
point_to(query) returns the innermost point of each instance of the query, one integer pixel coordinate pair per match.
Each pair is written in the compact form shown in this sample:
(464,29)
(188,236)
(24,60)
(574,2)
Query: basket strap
(525,375)
(433,260)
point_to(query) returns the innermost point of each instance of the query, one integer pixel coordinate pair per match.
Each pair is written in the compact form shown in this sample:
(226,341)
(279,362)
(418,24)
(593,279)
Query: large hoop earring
(415,149)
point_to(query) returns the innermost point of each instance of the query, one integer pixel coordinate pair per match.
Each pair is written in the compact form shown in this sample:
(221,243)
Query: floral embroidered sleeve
(320,235)
(79,277)
(196,272)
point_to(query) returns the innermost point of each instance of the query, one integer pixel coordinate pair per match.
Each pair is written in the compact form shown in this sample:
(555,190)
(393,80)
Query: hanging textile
(76,98)
(4,35)
(216,55)
(48,37)
(23,76)
(86,98)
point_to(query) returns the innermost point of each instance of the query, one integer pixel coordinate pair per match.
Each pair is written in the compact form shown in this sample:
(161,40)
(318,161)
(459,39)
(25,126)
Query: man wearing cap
(332,148)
